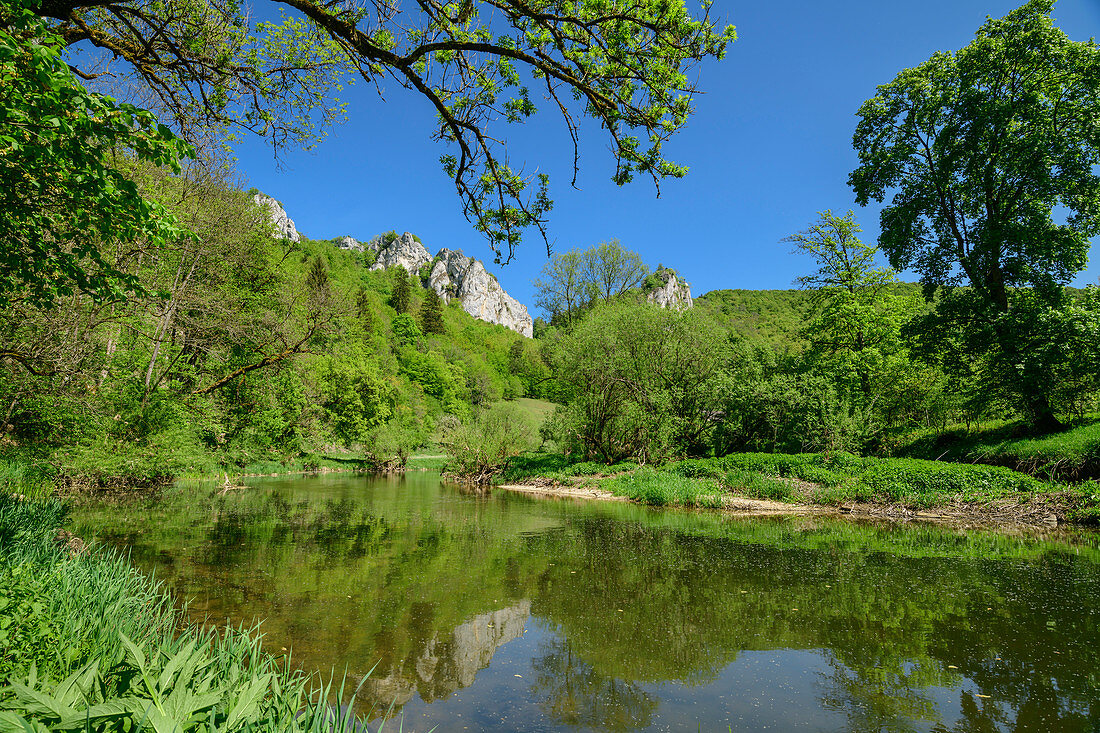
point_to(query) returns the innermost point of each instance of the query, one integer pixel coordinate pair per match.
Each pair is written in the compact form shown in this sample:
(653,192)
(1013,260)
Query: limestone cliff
(284,225)
(406,251)
(456,276)
(453,275)
(349,243)
(669,291)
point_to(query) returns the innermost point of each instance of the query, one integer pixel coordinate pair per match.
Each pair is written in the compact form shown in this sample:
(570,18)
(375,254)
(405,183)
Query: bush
(480,448)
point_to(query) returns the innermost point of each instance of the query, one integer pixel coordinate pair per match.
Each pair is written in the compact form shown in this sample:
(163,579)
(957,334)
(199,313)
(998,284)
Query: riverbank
(91,642)
(1072,454)
(819,483)
(38,479)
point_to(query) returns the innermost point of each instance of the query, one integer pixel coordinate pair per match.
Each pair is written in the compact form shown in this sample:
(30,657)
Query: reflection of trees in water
(353,582)
(570,691)
(875,699)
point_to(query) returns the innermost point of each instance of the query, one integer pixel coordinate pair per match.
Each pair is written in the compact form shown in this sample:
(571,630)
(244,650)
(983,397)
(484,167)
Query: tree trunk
(1041,414)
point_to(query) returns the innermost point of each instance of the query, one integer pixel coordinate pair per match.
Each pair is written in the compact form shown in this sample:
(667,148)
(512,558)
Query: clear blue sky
(769,146)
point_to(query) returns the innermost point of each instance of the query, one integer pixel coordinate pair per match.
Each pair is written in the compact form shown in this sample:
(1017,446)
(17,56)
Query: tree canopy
(70,214)
(978,149)
(624,63)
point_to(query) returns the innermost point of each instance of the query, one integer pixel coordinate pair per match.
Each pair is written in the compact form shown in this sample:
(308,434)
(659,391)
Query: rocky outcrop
(405,251)
(455,275)
(674,293)
(349,243)
(284,225)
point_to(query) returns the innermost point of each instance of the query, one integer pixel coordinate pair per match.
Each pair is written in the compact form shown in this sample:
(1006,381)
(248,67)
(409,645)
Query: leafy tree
(978,147)
(562,290)
(578,279)
(400,297)
(431,313)
(405,330)
(643,380)
(481,446)
(625,64)
(857,327)
(70,219)
(611,269)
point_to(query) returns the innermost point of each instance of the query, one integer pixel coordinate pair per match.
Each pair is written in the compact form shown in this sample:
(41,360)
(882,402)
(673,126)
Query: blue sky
(768,147)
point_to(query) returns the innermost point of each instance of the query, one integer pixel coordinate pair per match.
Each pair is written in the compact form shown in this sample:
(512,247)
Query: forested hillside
(774,317)
(242,351)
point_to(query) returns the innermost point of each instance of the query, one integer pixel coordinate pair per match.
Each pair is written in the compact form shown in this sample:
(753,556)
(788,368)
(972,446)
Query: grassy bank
(897,484)
(88,643)
(1069,455)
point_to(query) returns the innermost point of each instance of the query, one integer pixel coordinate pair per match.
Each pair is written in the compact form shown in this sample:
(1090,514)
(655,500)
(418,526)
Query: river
(505,612)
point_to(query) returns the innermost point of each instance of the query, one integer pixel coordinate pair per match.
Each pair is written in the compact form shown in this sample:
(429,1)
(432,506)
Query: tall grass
(89,643)
(32,478)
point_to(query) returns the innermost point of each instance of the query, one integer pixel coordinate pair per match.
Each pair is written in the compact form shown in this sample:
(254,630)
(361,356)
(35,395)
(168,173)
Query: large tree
(624,63)
(979,148)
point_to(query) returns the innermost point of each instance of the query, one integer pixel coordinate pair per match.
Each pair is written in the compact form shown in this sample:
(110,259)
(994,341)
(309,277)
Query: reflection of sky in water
(511,613)
(765,690)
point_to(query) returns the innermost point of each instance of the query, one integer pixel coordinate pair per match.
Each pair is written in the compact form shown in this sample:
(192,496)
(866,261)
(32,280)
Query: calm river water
(504,612)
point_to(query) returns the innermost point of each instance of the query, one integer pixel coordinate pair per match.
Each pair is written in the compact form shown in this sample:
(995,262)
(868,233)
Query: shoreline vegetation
(99,645)
(895,488)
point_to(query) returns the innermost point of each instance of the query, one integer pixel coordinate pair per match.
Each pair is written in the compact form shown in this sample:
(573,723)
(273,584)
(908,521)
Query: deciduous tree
(978,148)
(624,63)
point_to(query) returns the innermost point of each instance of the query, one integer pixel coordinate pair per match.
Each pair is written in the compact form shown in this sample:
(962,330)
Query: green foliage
(480,447)
(400,297)
(820,478)
(650,486)
(643,380)
(1072,455)
(578,279)
(431,313)
(356,400)
(66,204)
(405,330)
(977,160)
(88,643)
(856,335)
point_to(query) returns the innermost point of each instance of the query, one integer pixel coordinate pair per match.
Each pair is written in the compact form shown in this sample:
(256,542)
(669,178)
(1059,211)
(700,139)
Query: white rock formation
(349,243)
(453,275)
(457,276)
(403,250)
(675,293)
(446,663)
(284,225)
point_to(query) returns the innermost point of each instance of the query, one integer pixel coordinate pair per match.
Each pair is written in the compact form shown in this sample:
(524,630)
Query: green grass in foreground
(831,479)
(1068,455)
(88,643)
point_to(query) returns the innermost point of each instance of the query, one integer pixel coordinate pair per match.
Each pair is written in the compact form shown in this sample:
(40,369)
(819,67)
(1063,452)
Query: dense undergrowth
(89,643)
(817,478)
(1069,455)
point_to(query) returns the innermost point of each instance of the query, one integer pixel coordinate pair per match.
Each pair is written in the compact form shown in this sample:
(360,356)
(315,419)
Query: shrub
(480,447)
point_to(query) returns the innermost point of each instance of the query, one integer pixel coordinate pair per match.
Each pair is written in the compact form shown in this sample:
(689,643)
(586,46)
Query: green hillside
(242,353)
(772,317)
